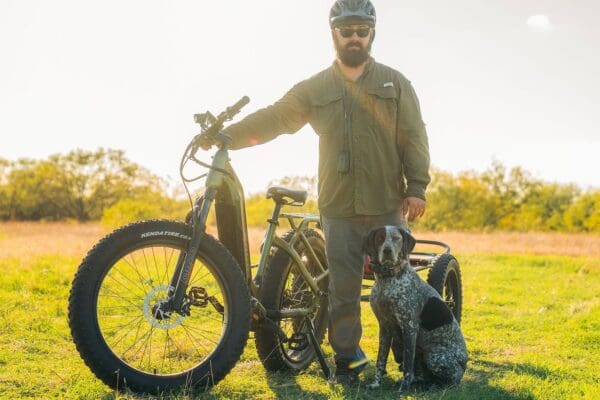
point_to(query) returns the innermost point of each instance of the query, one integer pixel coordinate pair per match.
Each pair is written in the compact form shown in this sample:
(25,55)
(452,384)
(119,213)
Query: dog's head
(389,245)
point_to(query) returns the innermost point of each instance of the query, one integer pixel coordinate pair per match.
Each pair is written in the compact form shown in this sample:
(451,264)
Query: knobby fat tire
(83,319)
(446,267)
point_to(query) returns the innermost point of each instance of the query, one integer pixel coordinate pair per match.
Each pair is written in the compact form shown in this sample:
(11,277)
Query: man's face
(353,43)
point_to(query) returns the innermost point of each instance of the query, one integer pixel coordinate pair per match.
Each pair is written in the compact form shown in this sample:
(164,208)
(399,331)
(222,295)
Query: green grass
(532,325)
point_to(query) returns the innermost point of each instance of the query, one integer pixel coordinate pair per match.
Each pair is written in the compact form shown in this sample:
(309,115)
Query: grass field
(531,318)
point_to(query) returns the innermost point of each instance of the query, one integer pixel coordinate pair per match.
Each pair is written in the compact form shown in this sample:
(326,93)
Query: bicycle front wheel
(121,331)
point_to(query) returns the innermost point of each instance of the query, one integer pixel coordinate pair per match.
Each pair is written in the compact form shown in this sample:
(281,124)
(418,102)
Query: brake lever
(206,120)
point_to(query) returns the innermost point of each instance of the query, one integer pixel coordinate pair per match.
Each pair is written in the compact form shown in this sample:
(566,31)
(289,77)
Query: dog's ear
(369,247)
(408,241)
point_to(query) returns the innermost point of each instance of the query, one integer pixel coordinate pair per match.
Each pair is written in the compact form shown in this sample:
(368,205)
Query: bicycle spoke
(179,351)
(150,350)
(127,332)
(118,296)
(193,340)
(202,332)
(155,264)
(134,267)
(125,276)
(146,264)
(168,261)
(162,365)
(141,278)
(148,335)
(194,279)
(135,339)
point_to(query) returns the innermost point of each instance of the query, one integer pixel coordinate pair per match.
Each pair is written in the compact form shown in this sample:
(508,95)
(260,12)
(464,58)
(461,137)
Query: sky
(506,80)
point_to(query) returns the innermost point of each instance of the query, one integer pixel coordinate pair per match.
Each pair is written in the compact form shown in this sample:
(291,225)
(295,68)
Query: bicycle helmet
(352,11)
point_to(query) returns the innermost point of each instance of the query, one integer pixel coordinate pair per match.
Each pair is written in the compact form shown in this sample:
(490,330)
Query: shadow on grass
(284,385)
(478,384)
(479,380)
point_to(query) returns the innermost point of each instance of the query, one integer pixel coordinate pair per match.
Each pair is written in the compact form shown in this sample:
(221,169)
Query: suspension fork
(183,269)
(185,262)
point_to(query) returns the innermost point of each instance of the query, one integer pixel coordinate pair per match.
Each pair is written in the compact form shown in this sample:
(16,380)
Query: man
(373,160)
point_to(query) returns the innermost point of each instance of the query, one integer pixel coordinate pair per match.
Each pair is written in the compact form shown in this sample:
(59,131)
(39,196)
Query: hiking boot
(347,370)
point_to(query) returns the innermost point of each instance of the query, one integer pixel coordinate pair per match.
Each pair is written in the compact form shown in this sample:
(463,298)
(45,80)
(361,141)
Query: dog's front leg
(385,341)
(409,339)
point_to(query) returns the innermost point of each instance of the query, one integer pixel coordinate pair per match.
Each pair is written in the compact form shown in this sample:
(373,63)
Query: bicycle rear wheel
(283,287)
(125,337)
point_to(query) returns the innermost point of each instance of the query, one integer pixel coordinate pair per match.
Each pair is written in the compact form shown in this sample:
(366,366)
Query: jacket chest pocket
(381,104)
(327,113)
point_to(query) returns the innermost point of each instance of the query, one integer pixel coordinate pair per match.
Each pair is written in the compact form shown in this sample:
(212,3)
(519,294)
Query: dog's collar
(386,271)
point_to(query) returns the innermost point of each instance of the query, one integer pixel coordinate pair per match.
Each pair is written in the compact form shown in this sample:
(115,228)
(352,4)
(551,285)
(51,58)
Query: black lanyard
(344,158)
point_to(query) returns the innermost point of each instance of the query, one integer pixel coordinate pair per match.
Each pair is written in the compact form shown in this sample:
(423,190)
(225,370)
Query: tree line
(81,185)
(508,199)
(104,185)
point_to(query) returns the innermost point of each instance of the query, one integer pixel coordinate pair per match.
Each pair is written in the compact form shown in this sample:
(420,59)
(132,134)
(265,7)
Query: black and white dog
(426,337)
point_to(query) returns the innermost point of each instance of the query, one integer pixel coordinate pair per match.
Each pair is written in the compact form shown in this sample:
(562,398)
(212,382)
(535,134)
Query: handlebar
(211,126)
(209,135)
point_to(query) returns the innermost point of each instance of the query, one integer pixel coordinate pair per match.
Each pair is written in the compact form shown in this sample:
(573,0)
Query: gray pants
(343,243)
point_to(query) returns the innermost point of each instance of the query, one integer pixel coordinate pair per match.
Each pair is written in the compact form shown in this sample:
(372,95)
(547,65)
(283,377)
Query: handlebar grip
(236,108)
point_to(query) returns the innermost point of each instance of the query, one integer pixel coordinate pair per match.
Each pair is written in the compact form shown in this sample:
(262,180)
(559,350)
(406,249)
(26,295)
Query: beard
(352,56)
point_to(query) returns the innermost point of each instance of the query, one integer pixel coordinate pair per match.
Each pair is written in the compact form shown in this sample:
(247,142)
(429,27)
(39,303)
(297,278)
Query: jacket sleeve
(414,146)
(287,115)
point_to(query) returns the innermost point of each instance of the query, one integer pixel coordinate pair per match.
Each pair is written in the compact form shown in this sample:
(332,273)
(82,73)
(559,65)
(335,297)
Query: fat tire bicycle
(160,305)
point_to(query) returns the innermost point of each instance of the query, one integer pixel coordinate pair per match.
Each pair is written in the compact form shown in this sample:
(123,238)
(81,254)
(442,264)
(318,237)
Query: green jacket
(387,141)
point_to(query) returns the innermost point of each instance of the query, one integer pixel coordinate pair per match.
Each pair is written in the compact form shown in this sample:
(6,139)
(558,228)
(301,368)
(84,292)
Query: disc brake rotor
(152,309)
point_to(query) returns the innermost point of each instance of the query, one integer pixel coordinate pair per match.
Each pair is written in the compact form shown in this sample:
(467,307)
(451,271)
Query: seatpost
(275,217)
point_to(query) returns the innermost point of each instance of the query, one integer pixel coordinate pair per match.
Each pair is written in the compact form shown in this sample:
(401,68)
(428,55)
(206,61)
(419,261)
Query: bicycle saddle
(279,194)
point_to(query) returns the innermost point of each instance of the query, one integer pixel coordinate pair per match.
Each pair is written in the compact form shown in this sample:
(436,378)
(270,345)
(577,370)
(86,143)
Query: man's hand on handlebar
(211,126)
(205,141)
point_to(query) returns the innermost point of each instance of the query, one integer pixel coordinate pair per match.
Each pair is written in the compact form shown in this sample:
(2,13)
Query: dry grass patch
(24,240)
(535,243)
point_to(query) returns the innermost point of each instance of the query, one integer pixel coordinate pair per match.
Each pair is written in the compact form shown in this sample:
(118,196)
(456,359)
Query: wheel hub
(155,312)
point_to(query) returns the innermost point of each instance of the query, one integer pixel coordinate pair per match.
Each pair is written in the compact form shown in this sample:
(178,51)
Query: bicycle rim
(134,329)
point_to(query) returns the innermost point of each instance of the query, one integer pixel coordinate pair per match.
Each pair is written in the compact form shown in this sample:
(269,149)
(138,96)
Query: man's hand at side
(415,207)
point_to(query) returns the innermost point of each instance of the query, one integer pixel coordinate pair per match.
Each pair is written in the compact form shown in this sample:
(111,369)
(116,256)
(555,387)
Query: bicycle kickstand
(317,347)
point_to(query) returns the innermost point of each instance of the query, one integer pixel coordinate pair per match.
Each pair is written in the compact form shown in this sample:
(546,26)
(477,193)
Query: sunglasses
(348,32)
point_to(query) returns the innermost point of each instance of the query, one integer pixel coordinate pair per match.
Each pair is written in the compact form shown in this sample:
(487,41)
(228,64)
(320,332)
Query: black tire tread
(438,273)
(95,356)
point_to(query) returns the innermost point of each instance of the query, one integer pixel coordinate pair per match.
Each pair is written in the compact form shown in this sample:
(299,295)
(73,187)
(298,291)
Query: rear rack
(423,260)
(305,218)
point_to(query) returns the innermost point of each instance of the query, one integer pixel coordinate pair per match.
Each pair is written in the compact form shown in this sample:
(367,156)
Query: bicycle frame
(271,239)
(224,189)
